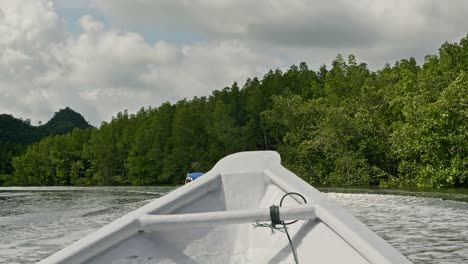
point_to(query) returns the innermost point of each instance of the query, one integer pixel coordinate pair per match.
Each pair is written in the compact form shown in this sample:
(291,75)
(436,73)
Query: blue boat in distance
(192,176)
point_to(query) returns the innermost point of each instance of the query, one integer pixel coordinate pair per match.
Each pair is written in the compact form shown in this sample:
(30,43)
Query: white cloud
(205,66)
(378,30)
(26,30)
(102,71)
(298,22)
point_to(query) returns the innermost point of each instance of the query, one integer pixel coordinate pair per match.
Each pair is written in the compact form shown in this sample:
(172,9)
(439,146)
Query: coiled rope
(276,220)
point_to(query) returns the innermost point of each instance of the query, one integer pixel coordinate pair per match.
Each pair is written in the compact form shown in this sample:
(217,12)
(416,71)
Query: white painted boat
(211,220)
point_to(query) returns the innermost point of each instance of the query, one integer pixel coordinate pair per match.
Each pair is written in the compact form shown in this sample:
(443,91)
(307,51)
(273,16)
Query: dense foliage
(17,134)
(404,125)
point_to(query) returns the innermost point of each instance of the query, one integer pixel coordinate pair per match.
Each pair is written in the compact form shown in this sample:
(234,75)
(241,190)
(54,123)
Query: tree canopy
(17,134)
(403,125)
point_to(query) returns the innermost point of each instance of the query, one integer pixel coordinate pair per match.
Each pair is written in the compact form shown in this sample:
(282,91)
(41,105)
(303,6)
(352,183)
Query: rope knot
(275,216)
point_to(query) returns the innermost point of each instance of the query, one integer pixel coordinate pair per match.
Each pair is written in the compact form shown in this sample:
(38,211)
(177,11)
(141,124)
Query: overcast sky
(100,57)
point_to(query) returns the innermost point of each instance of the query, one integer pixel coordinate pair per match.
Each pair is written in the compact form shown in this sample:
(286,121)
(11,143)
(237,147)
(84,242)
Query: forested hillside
(17,134)
(403,125)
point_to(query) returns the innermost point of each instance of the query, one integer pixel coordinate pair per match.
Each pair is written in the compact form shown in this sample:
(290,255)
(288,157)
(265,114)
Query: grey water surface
(38,221)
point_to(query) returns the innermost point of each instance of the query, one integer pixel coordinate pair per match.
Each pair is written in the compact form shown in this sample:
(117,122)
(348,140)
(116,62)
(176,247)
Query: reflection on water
(35,222)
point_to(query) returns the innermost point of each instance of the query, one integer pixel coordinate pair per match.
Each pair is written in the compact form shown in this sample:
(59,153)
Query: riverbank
(452,194)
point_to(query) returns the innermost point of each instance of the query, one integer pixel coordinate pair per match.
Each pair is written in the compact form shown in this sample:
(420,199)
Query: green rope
(276,220)
(274,216)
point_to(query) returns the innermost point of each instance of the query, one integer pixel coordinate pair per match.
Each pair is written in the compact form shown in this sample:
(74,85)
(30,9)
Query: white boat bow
(211,220)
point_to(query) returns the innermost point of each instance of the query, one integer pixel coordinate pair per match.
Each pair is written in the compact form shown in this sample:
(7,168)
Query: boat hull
(212,220)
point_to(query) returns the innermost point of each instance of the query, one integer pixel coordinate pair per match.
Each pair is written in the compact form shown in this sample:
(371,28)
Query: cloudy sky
(103,56)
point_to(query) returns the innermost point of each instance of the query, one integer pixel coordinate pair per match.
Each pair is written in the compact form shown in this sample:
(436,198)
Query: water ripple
(36,222)
(426,230)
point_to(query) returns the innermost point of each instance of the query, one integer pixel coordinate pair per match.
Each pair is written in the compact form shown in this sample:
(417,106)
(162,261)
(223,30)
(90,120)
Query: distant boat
(231,215)
(192,176)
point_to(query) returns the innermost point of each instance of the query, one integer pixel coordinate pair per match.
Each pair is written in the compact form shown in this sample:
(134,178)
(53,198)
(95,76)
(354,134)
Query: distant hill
(65,121)
(16,134)
(17,131)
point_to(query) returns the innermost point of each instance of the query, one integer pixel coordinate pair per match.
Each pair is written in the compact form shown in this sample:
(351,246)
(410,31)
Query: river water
(36,222)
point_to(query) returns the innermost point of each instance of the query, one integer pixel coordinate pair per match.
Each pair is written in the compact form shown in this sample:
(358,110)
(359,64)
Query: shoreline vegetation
(404,125)
(459,194)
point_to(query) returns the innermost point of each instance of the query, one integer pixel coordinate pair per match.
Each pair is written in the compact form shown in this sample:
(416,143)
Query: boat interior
(232,243)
